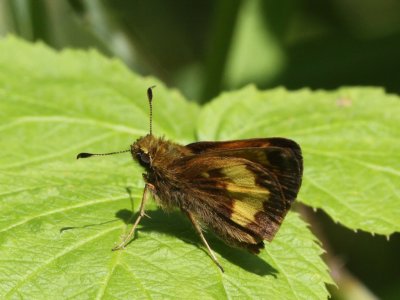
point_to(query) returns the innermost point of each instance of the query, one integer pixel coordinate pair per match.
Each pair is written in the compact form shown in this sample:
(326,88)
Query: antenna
(150,97)
(85,155)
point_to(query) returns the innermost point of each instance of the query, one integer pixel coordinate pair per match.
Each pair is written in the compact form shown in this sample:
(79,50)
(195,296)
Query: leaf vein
(57,256)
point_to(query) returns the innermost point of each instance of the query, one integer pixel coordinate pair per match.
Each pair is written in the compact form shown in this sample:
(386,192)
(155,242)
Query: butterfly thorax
(158,156)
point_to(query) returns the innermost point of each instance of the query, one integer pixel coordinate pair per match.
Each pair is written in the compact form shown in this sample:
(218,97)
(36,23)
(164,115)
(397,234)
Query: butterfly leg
(203,239)
(128,237)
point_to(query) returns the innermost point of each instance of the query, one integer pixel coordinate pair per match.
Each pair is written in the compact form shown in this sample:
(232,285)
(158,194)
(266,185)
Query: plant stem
(225,16)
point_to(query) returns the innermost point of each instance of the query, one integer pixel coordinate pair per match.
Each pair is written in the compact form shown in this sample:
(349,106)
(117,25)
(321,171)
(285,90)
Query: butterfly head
(143,150)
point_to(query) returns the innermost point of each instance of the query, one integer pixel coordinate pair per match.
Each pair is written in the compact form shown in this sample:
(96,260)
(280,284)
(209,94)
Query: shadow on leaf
(86,226)
(175,224)
(125,215)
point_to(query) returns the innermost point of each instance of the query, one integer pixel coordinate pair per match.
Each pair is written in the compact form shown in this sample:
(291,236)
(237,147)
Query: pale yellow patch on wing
(244,211)
(239,175)
(205,175)
(249,197)
(254,191)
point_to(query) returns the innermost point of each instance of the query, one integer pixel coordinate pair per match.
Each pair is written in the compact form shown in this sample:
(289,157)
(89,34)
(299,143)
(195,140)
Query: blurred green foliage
(204,47)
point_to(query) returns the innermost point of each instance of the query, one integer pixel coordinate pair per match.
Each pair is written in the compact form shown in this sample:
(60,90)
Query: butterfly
(241,189)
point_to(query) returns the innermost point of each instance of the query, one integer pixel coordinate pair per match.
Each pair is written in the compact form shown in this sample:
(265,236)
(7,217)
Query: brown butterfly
(240,189)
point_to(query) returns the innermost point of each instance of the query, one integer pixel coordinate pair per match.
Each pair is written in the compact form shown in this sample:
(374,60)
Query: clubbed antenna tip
(83,155)
(150,97)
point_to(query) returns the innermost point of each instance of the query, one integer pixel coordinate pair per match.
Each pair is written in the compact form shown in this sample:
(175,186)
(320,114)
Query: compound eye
(144,158)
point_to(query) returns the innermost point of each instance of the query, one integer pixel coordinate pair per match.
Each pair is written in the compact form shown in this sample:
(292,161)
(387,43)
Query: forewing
(282,155)
(250,187)
(208,147)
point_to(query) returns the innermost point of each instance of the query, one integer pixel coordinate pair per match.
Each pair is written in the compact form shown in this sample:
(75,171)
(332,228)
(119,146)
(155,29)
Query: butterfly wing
(202,147)
(280,157)
(242,189)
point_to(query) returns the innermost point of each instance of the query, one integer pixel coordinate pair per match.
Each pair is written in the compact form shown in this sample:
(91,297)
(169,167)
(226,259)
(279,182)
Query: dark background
(203,47)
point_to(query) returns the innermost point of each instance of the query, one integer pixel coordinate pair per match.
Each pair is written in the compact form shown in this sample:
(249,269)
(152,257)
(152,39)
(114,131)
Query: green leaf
(60,217)
(350,142)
